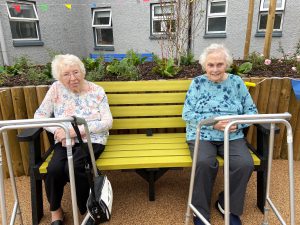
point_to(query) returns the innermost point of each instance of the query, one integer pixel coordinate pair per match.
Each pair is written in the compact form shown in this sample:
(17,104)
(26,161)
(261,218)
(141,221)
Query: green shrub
(38,75)
(244,68)
(134,58)
(165,67)
(123,69)
(187,59)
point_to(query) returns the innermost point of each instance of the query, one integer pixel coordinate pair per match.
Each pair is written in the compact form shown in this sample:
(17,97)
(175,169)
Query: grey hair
(61,61)
(215,48)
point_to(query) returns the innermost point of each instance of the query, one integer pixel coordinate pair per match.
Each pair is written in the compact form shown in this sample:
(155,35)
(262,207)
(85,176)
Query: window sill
(27,43)
(105,48)
(215,35)
(274,34)
(159,37)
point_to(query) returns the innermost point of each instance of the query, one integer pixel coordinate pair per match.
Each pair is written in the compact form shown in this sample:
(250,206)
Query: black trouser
(58,175)
(240,170)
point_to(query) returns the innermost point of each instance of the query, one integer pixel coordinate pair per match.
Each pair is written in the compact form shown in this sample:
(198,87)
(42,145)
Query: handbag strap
(88,170)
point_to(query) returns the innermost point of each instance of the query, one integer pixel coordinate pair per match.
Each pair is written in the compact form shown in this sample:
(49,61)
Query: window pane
(163,26)
(216,24)
(267,2)
(277,22)
(218,7)
(166,10)
(264,19)
(105,37)
(21,10)
(102,18)
(23,30)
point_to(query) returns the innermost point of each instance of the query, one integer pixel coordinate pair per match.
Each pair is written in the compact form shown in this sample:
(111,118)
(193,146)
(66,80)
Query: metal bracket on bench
(151,175)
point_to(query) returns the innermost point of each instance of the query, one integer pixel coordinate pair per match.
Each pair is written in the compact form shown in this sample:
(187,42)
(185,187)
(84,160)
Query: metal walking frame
(37,123)
(247,119)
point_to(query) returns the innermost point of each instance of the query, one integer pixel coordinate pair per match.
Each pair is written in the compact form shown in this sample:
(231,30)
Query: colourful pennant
(43,7)
(68,6)
(17,7)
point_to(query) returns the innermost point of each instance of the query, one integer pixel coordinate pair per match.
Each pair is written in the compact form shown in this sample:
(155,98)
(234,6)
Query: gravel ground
(131,205)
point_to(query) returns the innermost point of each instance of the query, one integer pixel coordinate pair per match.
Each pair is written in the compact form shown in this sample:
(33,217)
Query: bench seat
(138,151)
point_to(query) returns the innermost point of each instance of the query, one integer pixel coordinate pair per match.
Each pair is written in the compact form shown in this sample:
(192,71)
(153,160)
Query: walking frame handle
(36,123)
(245,119)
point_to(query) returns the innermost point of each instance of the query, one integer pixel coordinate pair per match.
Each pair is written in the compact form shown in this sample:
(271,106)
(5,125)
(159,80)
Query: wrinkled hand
(60,135)
(222,124)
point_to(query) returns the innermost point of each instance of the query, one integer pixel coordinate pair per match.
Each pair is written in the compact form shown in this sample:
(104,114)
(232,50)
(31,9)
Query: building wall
(70,31)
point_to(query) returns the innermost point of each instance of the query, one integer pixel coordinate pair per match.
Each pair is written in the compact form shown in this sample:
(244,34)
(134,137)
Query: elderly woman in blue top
(218,93)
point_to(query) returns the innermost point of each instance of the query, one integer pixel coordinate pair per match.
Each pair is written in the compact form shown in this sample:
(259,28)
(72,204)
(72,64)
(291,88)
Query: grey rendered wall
(237,26)
(60,30)
(70,31)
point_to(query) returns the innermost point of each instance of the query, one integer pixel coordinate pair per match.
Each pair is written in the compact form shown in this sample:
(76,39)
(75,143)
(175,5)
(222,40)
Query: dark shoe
(90,221)
(219,208)
(57,222)
(197,221)
(235,220)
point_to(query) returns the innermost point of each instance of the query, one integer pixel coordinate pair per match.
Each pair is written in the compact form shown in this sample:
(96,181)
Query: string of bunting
(44,6)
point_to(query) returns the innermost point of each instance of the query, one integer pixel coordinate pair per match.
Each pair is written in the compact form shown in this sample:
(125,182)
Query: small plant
(244,68)
(165,67)
(134,58)
(21,64)
(257,60)
(187,59)
(36,75)
(123,69)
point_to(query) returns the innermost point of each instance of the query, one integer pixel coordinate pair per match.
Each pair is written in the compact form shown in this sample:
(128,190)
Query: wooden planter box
(270,96)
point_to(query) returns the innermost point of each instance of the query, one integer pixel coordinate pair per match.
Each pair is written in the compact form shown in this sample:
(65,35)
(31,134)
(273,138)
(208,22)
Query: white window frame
(96,27)
(261,8)
(162,18)
(216,15)
(21,19)
(264,11)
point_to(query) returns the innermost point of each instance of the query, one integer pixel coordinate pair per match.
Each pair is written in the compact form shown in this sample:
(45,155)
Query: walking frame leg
(2,195)
(12,179)
(270,157)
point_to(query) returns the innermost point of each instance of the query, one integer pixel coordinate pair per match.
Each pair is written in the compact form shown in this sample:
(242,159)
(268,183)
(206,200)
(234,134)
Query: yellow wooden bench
(148,136)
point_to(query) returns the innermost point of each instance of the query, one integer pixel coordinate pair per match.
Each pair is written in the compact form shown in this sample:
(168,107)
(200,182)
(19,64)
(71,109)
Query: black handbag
(99,203)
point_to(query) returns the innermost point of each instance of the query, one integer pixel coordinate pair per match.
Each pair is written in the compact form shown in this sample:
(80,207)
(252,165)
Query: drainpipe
(3,46)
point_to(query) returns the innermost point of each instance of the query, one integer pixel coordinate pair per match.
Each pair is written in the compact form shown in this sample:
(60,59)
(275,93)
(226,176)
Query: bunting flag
(43,7)
(68,6)
(296,88)
(17,7)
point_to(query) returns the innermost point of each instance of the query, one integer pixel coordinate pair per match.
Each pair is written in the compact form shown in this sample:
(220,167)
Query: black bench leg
(263,136)
(261,189)
(151,182)
(151,175)
(36,200)
(35,183)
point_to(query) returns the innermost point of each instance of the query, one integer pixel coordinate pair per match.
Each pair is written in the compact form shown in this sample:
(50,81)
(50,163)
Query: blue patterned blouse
(206,99)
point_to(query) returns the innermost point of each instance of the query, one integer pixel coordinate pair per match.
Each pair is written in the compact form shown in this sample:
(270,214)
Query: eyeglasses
(68,75)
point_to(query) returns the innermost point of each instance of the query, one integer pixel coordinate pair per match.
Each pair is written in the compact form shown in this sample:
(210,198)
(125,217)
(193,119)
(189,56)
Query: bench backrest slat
(142,111)
(143,86)
(146,98)
(146,104)
(145,123)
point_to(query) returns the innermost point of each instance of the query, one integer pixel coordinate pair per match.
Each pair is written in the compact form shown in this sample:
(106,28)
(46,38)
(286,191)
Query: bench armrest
(29,134)
(263,136)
